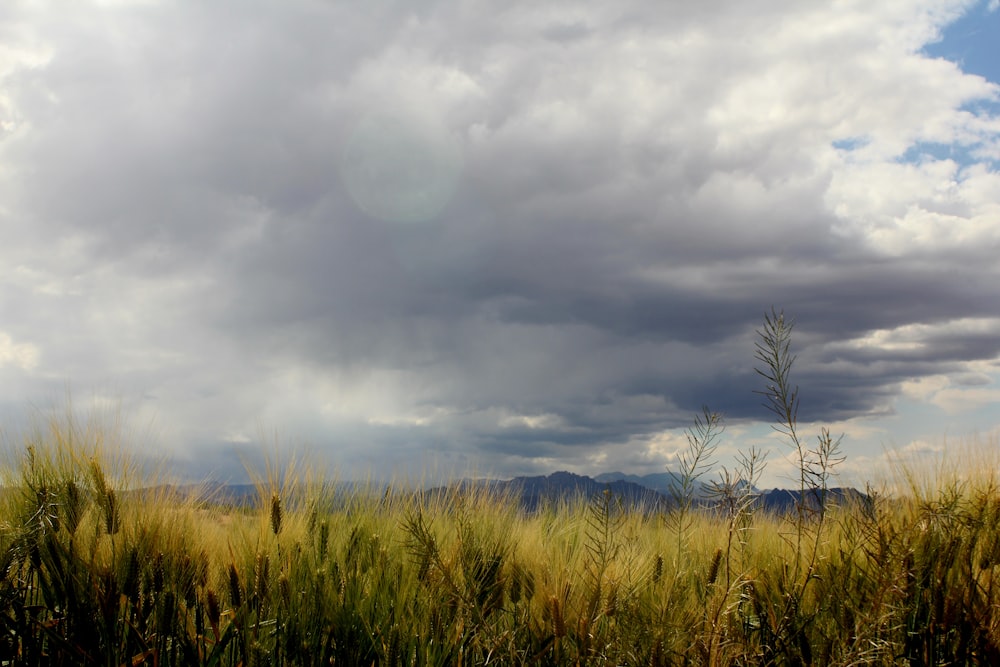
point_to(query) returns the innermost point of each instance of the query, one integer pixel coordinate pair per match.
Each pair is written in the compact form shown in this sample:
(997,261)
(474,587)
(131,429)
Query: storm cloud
(518,236)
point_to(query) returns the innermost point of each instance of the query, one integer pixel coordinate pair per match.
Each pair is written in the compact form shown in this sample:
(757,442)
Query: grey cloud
(971,380)
(603,243)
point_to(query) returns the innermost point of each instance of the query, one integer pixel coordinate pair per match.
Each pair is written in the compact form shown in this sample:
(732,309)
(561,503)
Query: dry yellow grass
(102,563)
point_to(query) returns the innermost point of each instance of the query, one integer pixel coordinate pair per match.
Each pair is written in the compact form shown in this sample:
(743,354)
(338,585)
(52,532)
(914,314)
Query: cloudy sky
(512,237)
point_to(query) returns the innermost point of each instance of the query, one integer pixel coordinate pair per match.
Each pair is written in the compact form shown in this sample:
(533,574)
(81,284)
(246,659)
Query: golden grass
(97,569)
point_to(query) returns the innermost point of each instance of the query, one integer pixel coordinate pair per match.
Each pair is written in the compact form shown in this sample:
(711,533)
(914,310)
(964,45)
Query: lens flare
(400,169)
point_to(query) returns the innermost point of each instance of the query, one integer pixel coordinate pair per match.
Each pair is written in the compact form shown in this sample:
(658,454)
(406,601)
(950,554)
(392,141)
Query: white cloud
(24,356)
(956,400)
(924,388)
(543,421)
(917,337)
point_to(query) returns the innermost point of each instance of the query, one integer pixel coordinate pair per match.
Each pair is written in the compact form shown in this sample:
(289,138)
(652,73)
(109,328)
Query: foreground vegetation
(99,565)
(96,575)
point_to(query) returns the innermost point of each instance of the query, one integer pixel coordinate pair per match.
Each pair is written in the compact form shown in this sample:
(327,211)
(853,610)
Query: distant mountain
(208,492)
(531,493)
(663,482)
(651,493)
(645,493)
(562,485)
(780,501)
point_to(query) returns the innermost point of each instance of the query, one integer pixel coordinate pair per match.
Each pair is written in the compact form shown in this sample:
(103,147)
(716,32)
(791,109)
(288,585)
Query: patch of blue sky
(973,41)
(983,107)
(963,155)
(851,143)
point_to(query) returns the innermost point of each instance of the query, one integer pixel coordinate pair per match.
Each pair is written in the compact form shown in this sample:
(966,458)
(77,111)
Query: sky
(500,238)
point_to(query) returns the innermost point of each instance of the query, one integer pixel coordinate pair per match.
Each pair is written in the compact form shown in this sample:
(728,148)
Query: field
(104,565)
(96,571)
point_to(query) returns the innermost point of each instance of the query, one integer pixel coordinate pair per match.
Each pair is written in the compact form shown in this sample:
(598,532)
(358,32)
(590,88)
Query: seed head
(235,594)
(275,513)
(713,570)
(213,611)
(558,622)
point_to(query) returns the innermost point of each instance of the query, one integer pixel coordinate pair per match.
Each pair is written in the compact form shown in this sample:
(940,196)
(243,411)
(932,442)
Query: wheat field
(101,567)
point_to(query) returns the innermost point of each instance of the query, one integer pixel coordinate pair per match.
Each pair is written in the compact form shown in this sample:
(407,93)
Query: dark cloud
(503,235)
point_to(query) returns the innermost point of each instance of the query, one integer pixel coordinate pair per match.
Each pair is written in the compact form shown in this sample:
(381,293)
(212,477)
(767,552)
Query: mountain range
(654,492)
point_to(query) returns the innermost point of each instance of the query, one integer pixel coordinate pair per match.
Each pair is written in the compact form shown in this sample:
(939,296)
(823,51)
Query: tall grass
(103,565)
(468,578)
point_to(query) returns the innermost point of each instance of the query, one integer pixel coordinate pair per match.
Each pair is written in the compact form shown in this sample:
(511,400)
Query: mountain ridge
(647,493)
(534,491)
